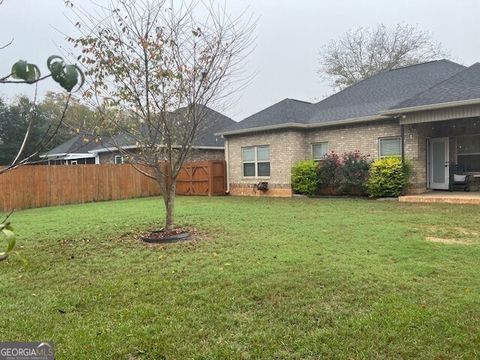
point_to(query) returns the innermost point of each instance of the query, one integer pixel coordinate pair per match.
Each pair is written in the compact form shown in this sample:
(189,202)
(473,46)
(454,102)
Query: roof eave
(305,126)
(437,106)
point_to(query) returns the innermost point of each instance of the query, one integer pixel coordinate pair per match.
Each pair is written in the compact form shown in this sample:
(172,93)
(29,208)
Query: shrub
(305,177)
(330,170)
(347,173)
(355,173)
(388,177)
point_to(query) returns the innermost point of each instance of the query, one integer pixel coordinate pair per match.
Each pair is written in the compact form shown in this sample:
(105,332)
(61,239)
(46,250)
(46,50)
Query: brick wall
(290,146)
(363,137)
(286,148)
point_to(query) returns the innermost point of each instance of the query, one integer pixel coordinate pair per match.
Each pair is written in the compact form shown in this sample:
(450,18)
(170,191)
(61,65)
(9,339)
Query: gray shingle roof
(464,85)
(285,111)
(79,144)
(366,98)
(384,90)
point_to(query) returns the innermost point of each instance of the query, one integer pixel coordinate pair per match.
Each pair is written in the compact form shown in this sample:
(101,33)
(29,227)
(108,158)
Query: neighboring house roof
(366,99)
(462,86)
(79,144)
(88,144)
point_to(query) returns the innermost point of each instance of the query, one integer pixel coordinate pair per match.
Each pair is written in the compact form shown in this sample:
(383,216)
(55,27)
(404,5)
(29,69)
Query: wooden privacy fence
(43,185)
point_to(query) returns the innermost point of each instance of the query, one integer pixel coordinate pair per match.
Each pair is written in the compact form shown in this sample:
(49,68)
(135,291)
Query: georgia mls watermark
(26,351)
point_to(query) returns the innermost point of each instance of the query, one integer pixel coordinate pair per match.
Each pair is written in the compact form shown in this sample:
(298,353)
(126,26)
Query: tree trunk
(169,199)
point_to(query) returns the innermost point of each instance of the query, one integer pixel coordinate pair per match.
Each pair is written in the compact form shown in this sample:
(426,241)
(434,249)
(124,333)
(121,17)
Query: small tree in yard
(163,65)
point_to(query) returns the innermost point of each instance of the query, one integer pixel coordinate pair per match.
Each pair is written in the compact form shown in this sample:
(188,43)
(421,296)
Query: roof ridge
(422,63)
(297,100)
(432,87)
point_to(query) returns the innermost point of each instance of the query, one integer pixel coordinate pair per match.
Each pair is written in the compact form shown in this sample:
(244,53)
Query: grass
(268,279)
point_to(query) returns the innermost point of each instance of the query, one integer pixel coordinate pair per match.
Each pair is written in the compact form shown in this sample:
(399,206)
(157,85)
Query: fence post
(210,178)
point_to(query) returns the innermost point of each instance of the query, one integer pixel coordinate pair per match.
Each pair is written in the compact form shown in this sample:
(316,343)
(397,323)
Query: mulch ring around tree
(168,236)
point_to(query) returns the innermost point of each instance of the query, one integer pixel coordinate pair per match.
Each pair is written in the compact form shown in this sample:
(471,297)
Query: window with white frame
(256,161)
(74,162)
(391,146)
(118,159)
(319,150)
(468,152)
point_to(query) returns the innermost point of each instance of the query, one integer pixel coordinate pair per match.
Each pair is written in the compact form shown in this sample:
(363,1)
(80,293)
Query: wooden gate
(202,178)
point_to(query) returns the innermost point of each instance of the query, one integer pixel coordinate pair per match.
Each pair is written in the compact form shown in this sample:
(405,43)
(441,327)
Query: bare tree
(162,63)
(364,52)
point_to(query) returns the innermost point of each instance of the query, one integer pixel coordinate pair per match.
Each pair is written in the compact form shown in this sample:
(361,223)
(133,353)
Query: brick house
(428,113)
(88,149)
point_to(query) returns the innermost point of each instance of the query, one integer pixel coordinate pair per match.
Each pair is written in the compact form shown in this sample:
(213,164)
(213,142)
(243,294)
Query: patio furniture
(459,180)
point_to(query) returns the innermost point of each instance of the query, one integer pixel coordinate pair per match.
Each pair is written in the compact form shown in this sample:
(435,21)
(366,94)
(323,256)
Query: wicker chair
(459,180)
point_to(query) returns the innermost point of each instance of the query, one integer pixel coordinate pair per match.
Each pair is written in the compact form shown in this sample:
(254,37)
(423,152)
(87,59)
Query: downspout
(227,145)
(402,134)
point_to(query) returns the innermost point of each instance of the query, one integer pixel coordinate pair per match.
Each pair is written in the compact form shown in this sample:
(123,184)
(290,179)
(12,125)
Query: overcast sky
(288,37)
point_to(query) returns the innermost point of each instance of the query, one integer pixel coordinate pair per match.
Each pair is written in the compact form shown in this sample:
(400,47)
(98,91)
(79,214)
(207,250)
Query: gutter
(305,126)
(430,107)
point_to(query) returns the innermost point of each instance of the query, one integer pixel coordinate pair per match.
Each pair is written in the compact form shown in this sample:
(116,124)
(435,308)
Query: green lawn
(265,279)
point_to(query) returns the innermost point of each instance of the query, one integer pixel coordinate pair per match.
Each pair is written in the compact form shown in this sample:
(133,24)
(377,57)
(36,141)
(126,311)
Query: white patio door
(439,163)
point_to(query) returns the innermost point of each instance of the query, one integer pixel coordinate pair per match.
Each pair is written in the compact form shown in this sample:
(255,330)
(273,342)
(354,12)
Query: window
(256,161)
(74,162)
(390,146)
(319,150)
(118,159)
(468,152)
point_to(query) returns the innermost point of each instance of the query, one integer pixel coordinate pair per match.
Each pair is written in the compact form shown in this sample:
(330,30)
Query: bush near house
(344,174)
(330,171)
(351,174)
(305,177)
(355,173)
(388,177)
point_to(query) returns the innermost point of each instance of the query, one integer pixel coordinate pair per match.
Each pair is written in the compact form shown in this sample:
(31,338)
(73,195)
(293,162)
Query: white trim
(255,162)
(439,186)
(122,159)
(398,137)
(291,125)
(227,161)
(430,107)
(69,156)
(52,155)
(319,143)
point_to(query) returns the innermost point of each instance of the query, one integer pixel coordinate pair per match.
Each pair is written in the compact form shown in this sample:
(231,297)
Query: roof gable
(382,91)
(464,85)
(79,144)
(285,111)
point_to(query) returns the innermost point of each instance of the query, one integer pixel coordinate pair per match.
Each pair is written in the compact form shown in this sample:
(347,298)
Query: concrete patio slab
(445,197)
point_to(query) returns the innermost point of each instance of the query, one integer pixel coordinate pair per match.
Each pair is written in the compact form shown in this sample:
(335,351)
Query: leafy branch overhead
(66,75)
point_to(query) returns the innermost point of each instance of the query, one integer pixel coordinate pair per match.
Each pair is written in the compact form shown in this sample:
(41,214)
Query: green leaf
(25,71)
(7,231)
(67,76)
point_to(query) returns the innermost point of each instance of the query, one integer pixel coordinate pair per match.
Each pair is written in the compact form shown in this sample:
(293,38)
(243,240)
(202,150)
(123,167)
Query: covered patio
(446,149)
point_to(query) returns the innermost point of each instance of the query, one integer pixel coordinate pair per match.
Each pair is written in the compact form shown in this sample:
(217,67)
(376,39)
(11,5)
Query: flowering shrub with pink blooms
(348,173)
(355,171)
